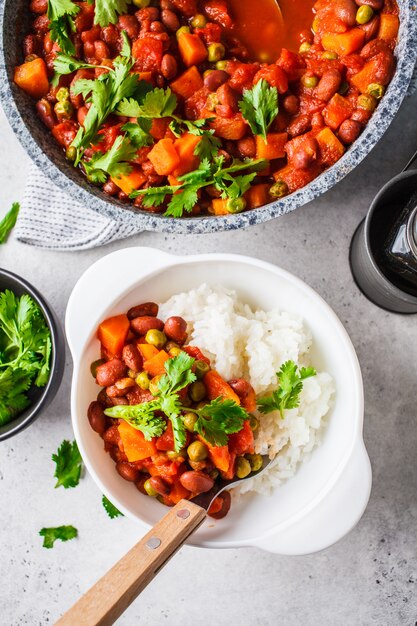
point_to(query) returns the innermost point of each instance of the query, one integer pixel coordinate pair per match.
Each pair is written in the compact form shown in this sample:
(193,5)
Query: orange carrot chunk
(217,387)
(257,195)
(273,147)
(185,147)
(192,49)
(330,147)
(135,446)
(188,83)
(219,206)
(156,365)
(112,334)
(388,26)
(337,111)
(164,157)
(344,43)
(130,182)
(32,77)
(147,350)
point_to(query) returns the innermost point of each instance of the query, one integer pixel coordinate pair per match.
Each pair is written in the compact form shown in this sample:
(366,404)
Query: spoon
(103,604)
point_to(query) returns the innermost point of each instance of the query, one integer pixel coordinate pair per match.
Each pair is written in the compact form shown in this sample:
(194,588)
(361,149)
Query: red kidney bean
(129,24)
(104,399)
(291,104)
(136,395)
(345,10)
(247,147)
(92,35)
(148,14)
(147,308)
(41,24)
(170,20)
(110,372)
(349,131)
(305,154)
(361,115)
(175,329)
(374,4)
(141,325)
(127,471)
(110,34)
(46,113)
(228,96)
(299,125)
(241,387)
(101,51)
(167,4)
(119,400)
(215,79)
(39,6)
(317,120)
(157,27)
(114,392)
(169,67)
(226,502)
(140,484)
(196,482)
(160,485)
(373,47)
(110,188)
(371,28)
(385,64)
(96,417)
(112,435)
(32,44)
(132,357)
(328,85)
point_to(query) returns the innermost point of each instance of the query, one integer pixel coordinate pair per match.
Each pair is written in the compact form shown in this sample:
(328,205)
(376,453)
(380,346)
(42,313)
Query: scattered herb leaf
(111,510)
(68,465)
(50,535)
(8,222)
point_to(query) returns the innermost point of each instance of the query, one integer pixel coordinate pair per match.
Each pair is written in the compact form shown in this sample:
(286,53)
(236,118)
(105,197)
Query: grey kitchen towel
(49,218)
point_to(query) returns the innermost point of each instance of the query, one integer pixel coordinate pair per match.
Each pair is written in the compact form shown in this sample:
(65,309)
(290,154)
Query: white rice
(254,344)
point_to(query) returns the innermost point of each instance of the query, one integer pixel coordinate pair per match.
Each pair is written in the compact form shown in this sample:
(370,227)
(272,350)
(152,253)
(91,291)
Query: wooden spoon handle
(115,591)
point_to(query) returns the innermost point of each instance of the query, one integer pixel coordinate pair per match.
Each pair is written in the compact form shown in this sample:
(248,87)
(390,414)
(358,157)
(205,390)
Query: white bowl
(328,494)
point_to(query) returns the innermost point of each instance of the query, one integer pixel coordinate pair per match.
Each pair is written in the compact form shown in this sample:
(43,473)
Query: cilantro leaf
(8,222)
(259,107)
(25,350)
(184,200)
(111,510)
(68,465)
(237,187)
(178,374)
(140,416)
(157,103)
(208,146)
(290,385)
(107,11)
(218,419)
(139,133)
(114,162)
(50,535)
(179,431)
(66,64)
(60,14)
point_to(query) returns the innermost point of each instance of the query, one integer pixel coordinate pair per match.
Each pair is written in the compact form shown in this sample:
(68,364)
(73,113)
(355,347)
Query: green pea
(304,48)
(364,14)
(309,81)
(171,344)
(279,189)
(172,455)
(376,90)
(64,110)
(132,374)
(212,101)
(243,467)
(235,205)
(198,21)
(182,30)
(197,451)
(62,94)
(174,351)
(330,56)
(71,153)
(367,102)
(149,489)
(141,4)
(216,52)
(94,365)
(256,461)
(253,423)
(197,391)
(201,369)
(142,380)
(221,65)
(156,338)
(189,420)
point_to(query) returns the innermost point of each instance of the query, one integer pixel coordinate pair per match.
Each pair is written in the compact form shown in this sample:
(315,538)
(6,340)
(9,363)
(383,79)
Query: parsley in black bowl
(32,354)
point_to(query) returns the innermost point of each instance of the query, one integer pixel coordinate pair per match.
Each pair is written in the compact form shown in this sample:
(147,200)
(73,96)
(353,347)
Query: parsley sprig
(214,422)
(25,350)
(259,107)
(290,385)
(185,195)
(68,463)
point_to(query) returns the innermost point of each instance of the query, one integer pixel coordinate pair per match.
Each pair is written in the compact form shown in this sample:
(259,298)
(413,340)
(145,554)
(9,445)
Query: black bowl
(40,397)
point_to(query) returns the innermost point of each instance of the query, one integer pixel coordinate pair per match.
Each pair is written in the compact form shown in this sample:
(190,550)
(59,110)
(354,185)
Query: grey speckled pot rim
(406,53)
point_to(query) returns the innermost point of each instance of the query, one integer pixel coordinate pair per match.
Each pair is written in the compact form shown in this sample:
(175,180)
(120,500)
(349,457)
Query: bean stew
(188,107)
(171,423)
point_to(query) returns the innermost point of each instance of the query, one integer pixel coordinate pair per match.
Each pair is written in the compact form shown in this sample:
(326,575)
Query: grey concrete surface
(367,578)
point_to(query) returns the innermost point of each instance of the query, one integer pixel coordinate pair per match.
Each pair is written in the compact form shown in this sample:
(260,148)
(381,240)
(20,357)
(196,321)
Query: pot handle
(333,517)
(108,279)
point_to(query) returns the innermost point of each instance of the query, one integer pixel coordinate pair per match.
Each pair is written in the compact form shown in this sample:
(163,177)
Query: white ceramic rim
(171,261)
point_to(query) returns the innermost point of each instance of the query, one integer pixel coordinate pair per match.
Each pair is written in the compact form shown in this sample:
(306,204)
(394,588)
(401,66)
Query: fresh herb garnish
(290,385)
(60,14)
(138,133)
(215,420)
(185,195)
(259,107)
(113,163)
(25,349)
(68,465)
(8,222)
(157,103)
(50,535)
(111,510)
(107,11)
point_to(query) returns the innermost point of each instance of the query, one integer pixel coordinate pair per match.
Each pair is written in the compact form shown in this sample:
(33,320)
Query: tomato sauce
(266,30)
